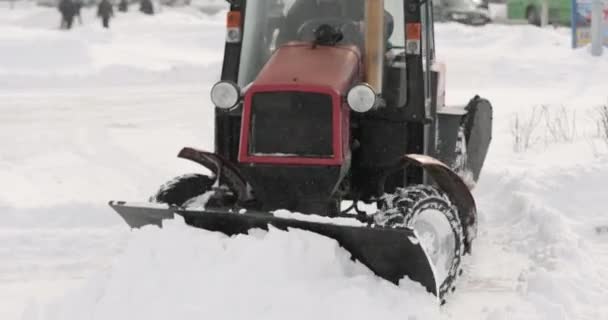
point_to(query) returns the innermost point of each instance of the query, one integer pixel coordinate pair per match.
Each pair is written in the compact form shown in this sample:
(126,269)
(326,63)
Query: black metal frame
(228,124)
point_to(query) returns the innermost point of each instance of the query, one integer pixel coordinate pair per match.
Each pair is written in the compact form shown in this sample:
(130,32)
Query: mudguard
(221,168)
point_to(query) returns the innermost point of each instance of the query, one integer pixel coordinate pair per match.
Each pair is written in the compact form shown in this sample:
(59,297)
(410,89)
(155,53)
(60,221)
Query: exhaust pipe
(374,43)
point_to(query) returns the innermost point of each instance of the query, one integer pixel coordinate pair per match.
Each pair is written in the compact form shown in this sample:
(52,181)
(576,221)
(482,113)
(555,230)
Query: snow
(183,273)
(286,214)
(34,53)
(72,139)
(92,115)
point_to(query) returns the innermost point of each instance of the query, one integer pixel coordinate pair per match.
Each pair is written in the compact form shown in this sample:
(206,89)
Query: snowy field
(92,115)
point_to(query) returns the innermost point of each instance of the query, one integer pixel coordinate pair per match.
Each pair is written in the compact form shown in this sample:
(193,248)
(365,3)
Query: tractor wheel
(428,211)
(180,190)
(533,16)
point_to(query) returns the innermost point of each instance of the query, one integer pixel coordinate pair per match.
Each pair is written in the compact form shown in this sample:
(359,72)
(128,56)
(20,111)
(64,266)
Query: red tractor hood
(299,65)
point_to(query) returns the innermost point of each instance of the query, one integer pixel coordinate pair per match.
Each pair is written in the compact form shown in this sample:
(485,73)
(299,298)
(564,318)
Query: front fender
(224,170)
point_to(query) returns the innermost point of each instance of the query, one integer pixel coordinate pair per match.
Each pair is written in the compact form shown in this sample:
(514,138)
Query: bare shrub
(543,125)
(602,122)
(523,129)
(560,124)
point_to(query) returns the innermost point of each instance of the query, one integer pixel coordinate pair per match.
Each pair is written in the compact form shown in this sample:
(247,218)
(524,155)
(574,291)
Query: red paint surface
(300,68)
(324,66)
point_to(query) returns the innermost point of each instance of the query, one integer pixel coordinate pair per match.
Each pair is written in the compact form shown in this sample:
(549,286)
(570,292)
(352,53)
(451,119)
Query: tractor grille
(295,124)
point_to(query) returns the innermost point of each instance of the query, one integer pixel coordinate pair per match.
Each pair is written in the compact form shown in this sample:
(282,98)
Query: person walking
(68,10)
(105,12)
(146,7)
(123,6)
(77,8)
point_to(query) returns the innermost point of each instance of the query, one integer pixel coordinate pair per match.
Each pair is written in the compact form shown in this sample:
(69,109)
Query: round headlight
(361,98)
(225,95)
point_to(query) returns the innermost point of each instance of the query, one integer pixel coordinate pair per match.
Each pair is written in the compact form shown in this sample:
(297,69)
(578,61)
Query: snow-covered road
(93,115)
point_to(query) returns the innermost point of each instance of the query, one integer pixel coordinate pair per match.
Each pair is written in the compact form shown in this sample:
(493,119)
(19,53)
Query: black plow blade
(390,253)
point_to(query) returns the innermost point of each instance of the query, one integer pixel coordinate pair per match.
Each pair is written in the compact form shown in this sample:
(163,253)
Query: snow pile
(184,273)
(545,233)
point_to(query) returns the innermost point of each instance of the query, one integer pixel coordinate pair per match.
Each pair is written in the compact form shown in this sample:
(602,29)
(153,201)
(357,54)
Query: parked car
(560,11)
(464,11)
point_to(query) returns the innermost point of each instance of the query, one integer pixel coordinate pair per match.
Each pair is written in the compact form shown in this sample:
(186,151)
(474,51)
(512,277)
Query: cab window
(270,23)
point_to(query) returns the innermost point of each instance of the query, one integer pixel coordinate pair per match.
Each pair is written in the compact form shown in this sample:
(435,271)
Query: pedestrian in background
(146,7)
(68,10)
(77,6)
(123,6)
(105,12)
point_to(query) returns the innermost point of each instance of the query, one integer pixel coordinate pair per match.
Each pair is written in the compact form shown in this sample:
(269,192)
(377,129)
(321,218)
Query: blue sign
(581,22)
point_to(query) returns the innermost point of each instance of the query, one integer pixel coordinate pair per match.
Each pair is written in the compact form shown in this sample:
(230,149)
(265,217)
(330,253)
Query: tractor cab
(393,40)
(375,28)
(317,95)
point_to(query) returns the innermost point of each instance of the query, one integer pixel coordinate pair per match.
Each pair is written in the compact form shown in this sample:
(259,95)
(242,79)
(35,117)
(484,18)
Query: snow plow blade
(390,253)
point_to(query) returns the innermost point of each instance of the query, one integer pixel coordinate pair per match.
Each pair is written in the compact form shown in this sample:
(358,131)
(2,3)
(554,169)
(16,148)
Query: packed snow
(286,214)
(92,115)
(182,273)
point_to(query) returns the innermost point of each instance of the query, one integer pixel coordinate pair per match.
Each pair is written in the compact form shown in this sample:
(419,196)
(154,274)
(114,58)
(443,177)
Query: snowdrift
(185,273)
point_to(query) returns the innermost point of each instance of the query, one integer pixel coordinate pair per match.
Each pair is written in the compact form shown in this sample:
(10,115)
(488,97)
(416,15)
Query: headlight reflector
(225,95)
(361,98)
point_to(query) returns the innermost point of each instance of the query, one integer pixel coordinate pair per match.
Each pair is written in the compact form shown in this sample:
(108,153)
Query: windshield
(271,23)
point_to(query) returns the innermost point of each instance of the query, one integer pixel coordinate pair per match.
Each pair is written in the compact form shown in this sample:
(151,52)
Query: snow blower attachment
(324,105)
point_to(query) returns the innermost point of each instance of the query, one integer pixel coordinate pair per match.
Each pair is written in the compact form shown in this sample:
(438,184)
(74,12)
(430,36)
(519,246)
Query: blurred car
(55,3)
(47,3)
(210,6)
(560,11)
(464,11)
(175,3)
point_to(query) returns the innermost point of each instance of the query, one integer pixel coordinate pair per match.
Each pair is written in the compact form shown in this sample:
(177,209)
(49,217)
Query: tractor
(330,117)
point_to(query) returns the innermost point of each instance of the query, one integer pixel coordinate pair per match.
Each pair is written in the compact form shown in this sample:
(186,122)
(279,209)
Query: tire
(533,16)
(405,209)
(180,190)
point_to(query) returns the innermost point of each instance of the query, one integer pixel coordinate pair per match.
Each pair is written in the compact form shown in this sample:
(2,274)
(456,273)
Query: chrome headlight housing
(225,95)
(362,98)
